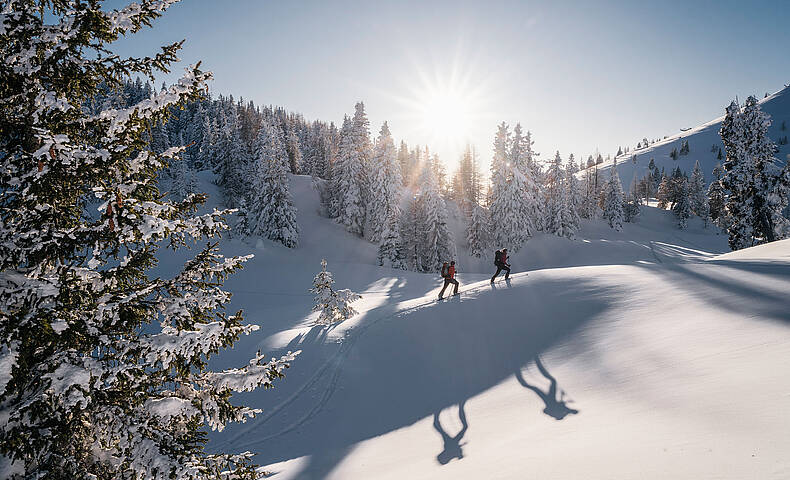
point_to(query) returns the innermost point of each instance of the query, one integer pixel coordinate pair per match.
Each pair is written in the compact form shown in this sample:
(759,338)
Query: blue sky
(580,75)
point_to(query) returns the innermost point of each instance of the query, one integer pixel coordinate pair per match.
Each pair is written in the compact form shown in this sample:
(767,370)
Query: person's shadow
(555,406)
(452,445)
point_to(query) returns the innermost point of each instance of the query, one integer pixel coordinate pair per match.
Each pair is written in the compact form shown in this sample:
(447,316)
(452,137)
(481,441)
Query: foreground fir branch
(84,392)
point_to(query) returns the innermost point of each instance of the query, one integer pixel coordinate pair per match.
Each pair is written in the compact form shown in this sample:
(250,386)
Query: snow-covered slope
(701,139)
(617,355)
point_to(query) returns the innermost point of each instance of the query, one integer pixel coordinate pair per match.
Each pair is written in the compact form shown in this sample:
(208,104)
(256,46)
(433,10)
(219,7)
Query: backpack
(498,257)
(444,271)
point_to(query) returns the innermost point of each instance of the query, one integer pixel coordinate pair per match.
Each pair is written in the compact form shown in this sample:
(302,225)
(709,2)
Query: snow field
(675,364)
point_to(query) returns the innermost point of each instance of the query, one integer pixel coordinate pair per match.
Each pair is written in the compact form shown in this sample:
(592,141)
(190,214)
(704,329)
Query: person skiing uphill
(500,260)
(448,273)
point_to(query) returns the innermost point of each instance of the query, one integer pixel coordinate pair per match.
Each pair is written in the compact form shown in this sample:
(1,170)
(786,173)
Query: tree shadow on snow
(751,289)
(396,370)
(556,406)
(453,448)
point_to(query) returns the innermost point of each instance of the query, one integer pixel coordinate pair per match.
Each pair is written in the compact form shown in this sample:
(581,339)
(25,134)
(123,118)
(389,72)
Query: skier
(500,260)
(448,273)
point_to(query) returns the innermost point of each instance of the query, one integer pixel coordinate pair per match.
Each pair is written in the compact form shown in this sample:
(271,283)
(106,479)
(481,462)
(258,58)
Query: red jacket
(503,258)
(451,271)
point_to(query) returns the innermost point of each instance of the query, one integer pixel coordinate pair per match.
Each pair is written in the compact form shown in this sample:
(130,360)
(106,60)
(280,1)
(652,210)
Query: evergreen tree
(333,305)
(716,199)
(360,139)
(631,207)
(509,224)
(86,394)
(525,173)
(347,182)
(560,220)
(184,182)
(698,194)
(755,188)
(613,200)
(663,196)
(391,247)
(477,232)
(384,205)
(590,190)
(294,151)
(771,185)
(684,147)
(682,208)
(270,211)
(738,176)
(403,161)
(574,191)
(435,241)
(232,164)
(410,234)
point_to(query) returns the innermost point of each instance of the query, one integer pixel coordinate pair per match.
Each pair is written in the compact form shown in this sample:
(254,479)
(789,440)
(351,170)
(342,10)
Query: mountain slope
(700,139)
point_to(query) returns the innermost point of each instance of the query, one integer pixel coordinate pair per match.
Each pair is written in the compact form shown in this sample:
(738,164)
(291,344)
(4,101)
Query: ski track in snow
(335,366)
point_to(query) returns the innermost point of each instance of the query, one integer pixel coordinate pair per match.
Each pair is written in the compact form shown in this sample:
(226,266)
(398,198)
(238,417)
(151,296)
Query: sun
(445,116)
(446,106)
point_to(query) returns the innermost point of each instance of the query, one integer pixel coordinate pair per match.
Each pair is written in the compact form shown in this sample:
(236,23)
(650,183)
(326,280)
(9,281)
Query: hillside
(701,139)
(634,354)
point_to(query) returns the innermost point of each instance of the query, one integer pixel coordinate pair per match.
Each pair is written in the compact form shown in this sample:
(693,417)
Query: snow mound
(773,252)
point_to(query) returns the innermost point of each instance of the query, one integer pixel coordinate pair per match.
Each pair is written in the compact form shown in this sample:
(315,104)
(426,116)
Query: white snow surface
(642,354)
(774,252)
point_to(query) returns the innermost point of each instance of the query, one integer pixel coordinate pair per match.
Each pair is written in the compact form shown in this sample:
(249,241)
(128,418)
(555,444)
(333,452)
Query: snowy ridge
(700,139)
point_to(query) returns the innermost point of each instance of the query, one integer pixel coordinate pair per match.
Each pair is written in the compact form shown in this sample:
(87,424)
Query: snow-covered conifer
(771,186)
(294,151)
(477,232)
(716,199)
(184,180)
(682,208)
(232,163)
(385,186)
(510,226)
(348,182)
(574,189)
(664,194)
(391,248)
(698,194)
(613,200)
(435,242)
(360,137)
(525,178)
(560,219)
(270,211)
(105,367)
(333,305)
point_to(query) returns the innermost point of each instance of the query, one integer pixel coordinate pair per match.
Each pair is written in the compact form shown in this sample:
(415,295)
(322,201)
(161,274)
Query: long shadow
(401,369)
(452,445)
(720,285)
(556,407)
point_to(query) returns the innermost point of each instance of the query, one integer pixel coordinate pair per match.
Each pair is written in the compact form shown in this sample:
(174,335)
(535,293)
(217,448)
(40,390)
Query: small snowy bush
(333,305)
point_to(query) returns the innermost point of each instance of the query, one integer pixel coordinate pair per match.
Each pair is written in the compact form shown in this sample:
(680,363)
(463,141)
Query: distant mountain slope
(700,139)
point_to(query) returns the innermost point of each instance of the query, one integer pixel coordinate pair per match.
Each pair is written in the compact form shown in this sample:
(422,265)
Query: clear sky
(581,75)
